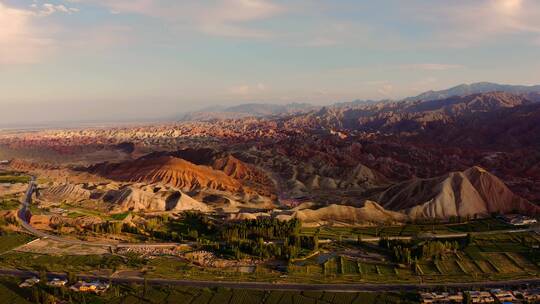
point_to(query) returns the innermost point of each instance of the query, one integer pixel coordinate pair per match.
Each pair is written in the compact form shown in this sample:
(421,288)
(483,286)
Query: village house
(441,298)
(56,282)
(480,297)
(29,282)
(518,220)
(95,287)
(529,295)
(503,296)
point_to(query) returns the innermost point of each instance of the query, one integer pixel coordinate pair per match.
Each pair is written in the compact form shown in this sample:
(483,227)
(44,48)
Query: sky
(75,60)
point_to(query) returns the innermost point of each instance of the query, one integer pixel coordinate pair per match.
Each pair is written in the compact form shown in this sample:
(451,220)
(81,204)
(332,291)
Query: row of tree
(267,228)
(405,252)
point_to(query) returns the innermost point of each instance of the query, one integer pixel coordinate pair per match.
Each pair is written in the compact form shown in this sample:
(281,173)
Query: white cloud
(320,42)
(422,85)
(239,90)
(20,40)
(229,18)
(471,22)
(431,66)
(246,90)
(143,7)
(386,90)
(47,9)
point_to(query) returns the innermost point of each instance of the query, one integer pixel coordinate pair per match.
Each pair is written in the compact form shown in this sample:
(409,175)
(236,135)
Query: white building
(56,282)
(29,282)
(481,297)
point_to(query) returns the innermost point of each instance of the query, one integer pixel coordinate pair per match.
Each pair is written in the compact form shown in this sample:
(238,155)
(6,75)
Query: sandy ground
(56,248)
(128,274)
(8,189)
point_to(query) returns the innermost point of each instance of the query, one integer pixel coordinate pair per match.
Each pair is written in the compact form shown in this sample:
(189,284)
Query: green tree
(43,276)
(35,295)
(467,298)
(72,278)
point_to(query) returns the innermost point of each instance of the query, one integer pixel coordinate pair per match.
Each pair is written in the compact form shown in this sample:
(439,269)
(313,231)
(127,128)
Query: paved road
(446,235)
(23,211)
(282,286)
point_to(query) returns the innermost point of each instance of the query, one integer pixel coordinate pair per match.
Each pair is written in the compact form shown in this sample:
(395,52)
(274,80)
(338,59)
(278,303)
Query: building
(56,282)
(29,282)
(4,162)
(441,298)
(480,297)
(60,211)
(95,287)
(504,296)
(529,295)
(518,220)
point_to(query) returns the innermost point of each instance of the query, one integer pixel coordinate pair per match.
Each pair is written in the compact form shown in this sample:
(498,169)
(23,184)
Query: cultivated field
(135,294)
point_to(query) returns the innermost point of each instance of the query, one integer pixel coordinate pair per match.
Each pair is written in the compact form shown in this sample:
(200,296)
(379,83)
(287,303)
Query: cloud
(386,90)
(246,90)
(143,7)
(48,9)
(101,37)
(20,40)
(320,42)
(467,22)
(228,18)
(431,66)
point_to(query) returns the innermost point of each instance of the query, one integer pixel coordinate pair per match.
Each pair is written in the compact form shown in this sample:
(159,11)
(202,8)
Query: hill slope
(468,193)
(170,171)
(340,215)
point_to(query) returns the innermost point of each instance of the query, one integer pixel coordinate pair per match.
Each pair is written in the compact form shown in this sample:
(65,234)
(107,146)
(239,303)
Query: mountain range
(247,110)
(474,88)
(264,109)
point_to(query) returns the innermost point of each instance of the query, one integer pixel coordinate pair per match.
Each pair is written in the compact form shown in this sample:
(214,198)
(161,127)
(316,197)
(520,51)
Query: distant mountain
(269,109)
(475,88)
(408,116)
(500,129)
(248,110)
(531,93)
(359,103)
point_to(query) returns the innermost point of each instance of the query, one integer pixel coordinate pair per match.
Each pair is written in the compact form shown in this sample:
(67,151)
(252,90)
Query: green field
(9,241)
(135,294)
(353,233)
(13,178)
(77,211)
(9,293)
(493,257)
(9,204)
(119,216)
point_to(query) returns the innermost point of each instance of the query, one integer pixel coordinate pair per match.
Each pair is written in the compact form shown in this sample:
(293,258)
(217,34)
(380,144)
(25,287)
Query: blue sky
(109,59)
